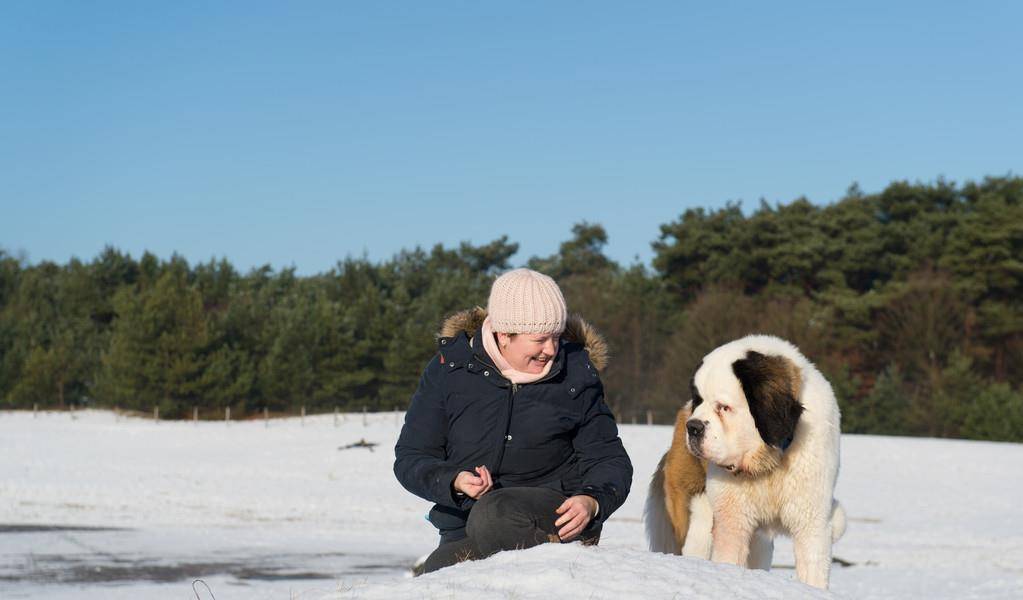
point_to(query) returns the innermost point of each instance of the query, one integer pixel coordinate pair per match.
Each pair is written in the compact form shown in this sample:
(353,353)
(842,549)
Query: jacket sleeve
(604,464)
(419,456)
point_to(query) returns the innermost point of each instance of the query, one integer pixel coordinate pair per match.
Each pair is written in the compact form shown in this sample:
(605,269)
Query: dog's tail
(837,521)
(659,531)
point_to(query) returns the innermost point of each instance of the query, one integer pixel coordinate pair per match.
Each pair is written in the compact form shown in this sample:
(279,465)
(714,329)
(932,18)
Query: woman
(508,433)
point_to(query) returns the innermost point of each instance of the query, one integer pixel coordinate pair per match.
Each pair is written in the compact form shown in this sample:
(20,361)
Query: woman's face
(528,352)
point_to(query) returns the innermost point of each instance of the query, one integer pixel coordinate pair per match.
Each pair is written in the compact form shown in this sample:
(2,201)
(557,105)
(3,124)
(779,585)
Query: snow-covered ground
(96,506)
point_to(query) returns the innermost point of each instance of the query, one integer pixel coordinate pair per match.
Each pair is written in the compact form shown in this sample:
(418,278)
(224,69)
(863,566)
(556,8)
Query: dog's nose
(695,428)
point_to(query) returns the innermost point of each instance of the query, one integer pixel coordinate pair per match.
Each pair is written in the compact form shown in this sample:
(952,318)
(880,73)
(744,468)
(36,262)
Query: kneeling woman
(508,432)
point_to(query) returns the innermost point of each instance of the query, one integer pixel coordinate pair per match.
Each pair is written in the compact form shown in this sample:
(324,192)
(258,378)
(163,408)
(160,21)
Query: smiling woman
(526,318)
(508,433)
(529,353)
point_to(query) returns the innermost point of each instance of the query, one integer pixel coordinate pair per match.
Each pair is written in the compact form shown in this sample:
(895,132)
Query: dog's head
(744,410)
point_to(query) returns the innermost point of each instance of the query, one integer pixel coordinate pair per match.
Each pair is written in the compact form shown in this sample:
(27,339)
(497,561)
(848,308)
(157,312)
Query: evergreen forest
(909,300)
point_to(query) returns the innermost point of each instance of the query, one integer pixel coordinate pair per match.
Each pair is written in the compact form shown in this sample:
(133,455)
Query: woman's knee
(489,511)
(513,509)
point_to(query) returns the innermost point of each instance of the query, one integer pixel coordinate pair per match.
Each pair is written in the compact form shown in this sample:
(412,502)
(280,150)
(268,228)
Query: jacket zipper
(513,388)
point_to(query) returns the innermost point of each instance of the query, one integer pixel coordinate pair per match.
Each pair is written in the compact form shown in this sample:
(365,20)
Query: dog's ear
(772,385)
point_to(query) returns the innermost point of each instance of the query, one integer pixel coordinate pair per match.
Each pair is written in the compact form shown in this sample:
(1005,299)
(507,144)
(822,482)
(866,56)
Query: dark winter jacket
(556,433)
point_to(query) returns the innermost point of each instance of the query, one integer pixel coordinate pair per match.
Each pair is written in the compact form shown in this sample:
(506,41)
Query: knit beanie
(524,301)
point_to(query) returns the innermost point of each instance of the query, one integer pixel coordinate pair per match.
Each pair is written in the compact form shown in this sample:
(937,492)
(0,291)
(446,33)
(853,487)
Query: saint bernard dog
(754,454)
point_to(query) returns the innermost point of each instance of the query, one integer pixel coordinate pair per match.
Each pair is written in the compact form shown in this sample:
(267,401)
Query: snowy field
(95,506)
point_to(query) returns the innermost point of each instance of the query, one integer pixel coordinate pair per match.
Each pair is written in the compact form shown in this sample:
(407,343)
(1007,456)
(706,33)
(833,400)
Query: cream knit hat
(524,301)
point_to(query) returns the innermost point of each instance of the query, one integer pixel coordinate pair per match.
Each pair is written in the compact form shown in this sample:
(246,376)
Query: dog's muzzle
(695,429)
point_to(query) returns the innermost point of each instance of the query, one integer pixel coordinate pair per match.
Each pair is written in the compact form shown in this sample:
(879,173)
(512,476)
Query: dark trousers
(507,519)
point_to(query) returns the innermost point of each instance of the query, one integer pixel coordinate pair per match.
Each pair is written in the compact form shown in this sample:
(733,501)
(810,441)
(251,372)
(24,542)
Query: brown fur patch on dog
(684,476)
(576,330)
(772,385)
(761,462)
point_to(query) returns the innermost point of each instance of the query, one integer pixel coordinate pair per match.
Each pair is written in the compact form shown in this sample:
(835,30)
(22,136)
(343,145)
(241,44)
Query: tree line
(909,300)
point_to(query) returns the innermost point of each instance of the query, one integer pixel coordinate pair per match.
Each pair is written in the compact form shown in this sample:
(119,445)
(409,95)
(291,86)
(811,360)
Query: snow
(280,511)
(574,571)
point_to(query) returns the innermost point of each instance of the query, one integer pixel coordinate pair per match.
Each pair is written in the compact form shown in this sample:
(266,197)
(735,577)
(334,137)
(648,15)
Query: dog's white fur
(755,491)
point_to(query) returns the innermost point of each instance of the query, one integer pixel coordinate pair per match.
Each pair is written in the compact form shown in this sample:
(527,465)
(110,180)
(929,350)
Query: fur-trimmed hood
(576,330)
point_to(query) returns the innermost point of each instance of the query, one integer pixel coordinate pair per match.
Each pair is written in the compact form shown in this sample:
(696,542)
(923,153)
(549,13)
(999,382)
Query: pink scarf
(509,372)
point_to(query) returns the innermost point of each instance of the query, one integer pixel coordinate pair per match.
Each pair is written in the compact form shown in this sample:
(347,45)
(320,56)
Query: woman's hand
(576,513)
(474,485)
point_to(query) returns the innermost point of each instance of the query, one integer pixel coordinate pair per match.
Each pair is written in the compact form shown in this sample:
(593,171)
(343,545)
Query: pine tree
(155,356)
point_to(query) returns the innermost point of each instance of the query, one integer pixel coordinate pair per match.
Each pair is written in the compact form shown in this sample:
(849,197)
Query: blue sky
(296,133)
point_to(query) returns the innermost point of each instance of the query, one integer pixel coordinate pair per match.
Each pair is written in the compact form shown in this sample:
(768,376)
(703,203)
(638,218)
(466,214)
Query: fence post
(649,417)
(365,417)
(302,421)
(156,413)
(266,417)
(35,410)
(227,415)
(195,415)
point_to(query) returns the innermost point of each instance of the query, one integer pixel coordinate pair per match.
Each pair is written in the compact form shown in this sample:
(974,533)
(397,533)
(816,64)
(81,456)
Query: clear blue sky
(296,133)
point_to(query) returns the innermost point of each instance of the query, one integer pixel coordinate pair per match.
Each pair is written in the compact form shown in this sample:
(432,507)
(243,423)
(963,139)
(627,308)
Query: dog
(755,454)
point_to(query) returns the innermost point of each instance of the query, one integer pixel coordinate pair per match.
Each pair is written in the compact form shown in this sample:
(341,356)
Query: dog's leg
(732,533)
(812,547)
(761,551)
(698,538)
